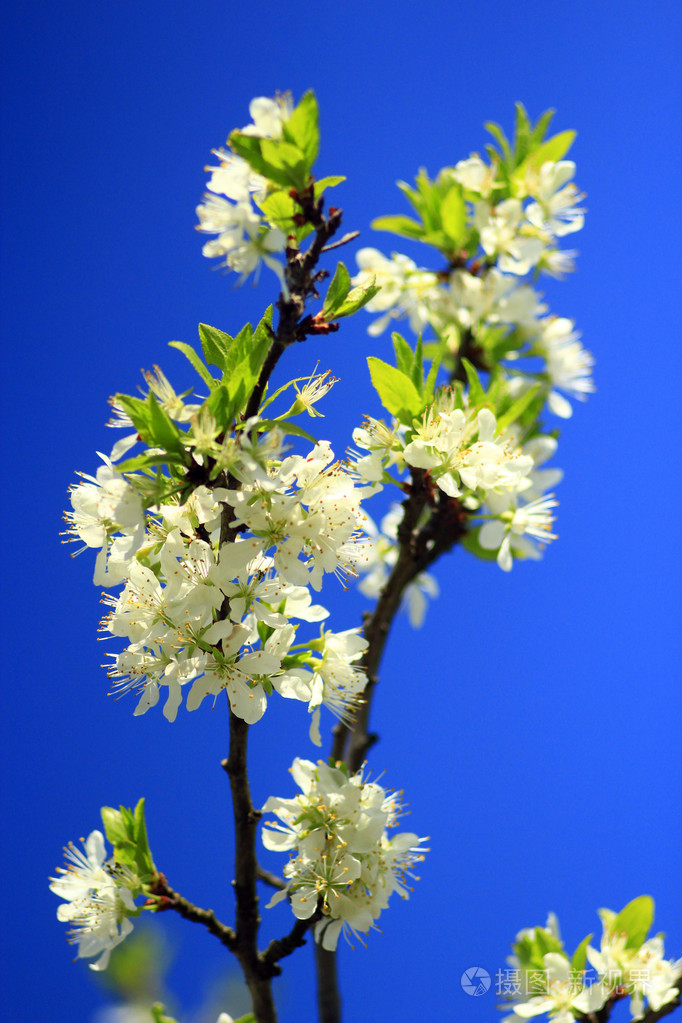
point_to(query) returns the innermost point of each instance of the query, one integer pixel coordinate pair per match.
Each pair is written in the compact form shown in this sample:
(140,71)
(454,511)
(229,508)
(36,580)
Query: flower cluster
(642,971)
(98,896)
(627,964)
(497,225)
(343,863)
(468,458)
(230,206)
(203,615)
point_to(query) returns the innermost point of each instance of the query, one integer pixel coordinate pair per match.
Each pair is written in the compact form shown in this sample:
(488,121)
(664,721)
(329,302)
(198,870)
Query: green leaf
(477,395)
(553,149)
(114,825)
(580,955)
(516,410)
(154,426)
(221,406)
(331,181)
(262,336)
(357,298)
(454,215)
(396,391)
(521,134)
(399,224)
(540,129)
(403,354)
(417,374)
(158,1016)
(249,1018)
(242,369)
(248,147)
(236,372)
(549,152)
(430,200)
(127,833)
(302,128)
(163,431)
(546,942)
(430,383)
(279,161)
(635,920)
(144,856)
(338,290)
(287,161)
(279,208)
(138,410)
(501,139)
(192,357)
(411,195)
(215,344)
(145,461)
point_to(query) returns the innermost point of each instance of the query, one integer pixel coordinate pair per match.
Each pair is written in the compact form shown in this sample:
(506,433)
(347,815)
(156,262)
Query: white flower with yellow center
(405,288)
(343,866)
(98,903)
(516,527)
(564,997)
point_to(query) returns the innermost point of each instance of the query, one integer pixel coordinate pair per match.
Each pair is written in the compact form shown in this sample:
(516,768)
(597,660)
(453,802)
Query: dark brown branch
(420,544)
(279,948)
(170,899)
(246,819)
(328,994)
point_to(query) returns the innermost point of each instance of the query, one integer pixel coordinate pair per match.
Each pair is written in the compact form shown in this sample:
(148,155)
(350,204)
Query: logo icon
(475,981)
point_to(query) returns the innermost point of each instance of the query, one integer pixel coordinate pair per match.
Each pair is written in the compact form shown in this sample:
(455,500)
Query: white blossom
(500,230)
(516,527)
(268,115)
(105,505)
(643,971)
(563,998)
(569,365)
(405,288)
(461,451)
(474,174)
(98,902)
(555,210)
(342,859)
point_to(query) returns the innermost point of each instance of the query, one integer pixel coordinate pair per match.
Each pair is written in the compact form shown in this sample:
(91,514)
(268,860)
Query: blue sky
(533,722)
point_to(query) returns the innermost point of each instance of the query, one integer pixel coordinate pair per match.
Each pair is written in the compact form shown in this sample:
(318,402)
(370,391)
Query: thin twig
(269,878)
(170,899)
(350,237)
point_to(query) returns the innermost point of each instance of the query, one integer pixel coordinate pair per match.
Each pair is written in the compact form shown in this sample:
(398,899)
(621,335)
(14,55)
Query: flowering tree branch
(217,533)
(165,898)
